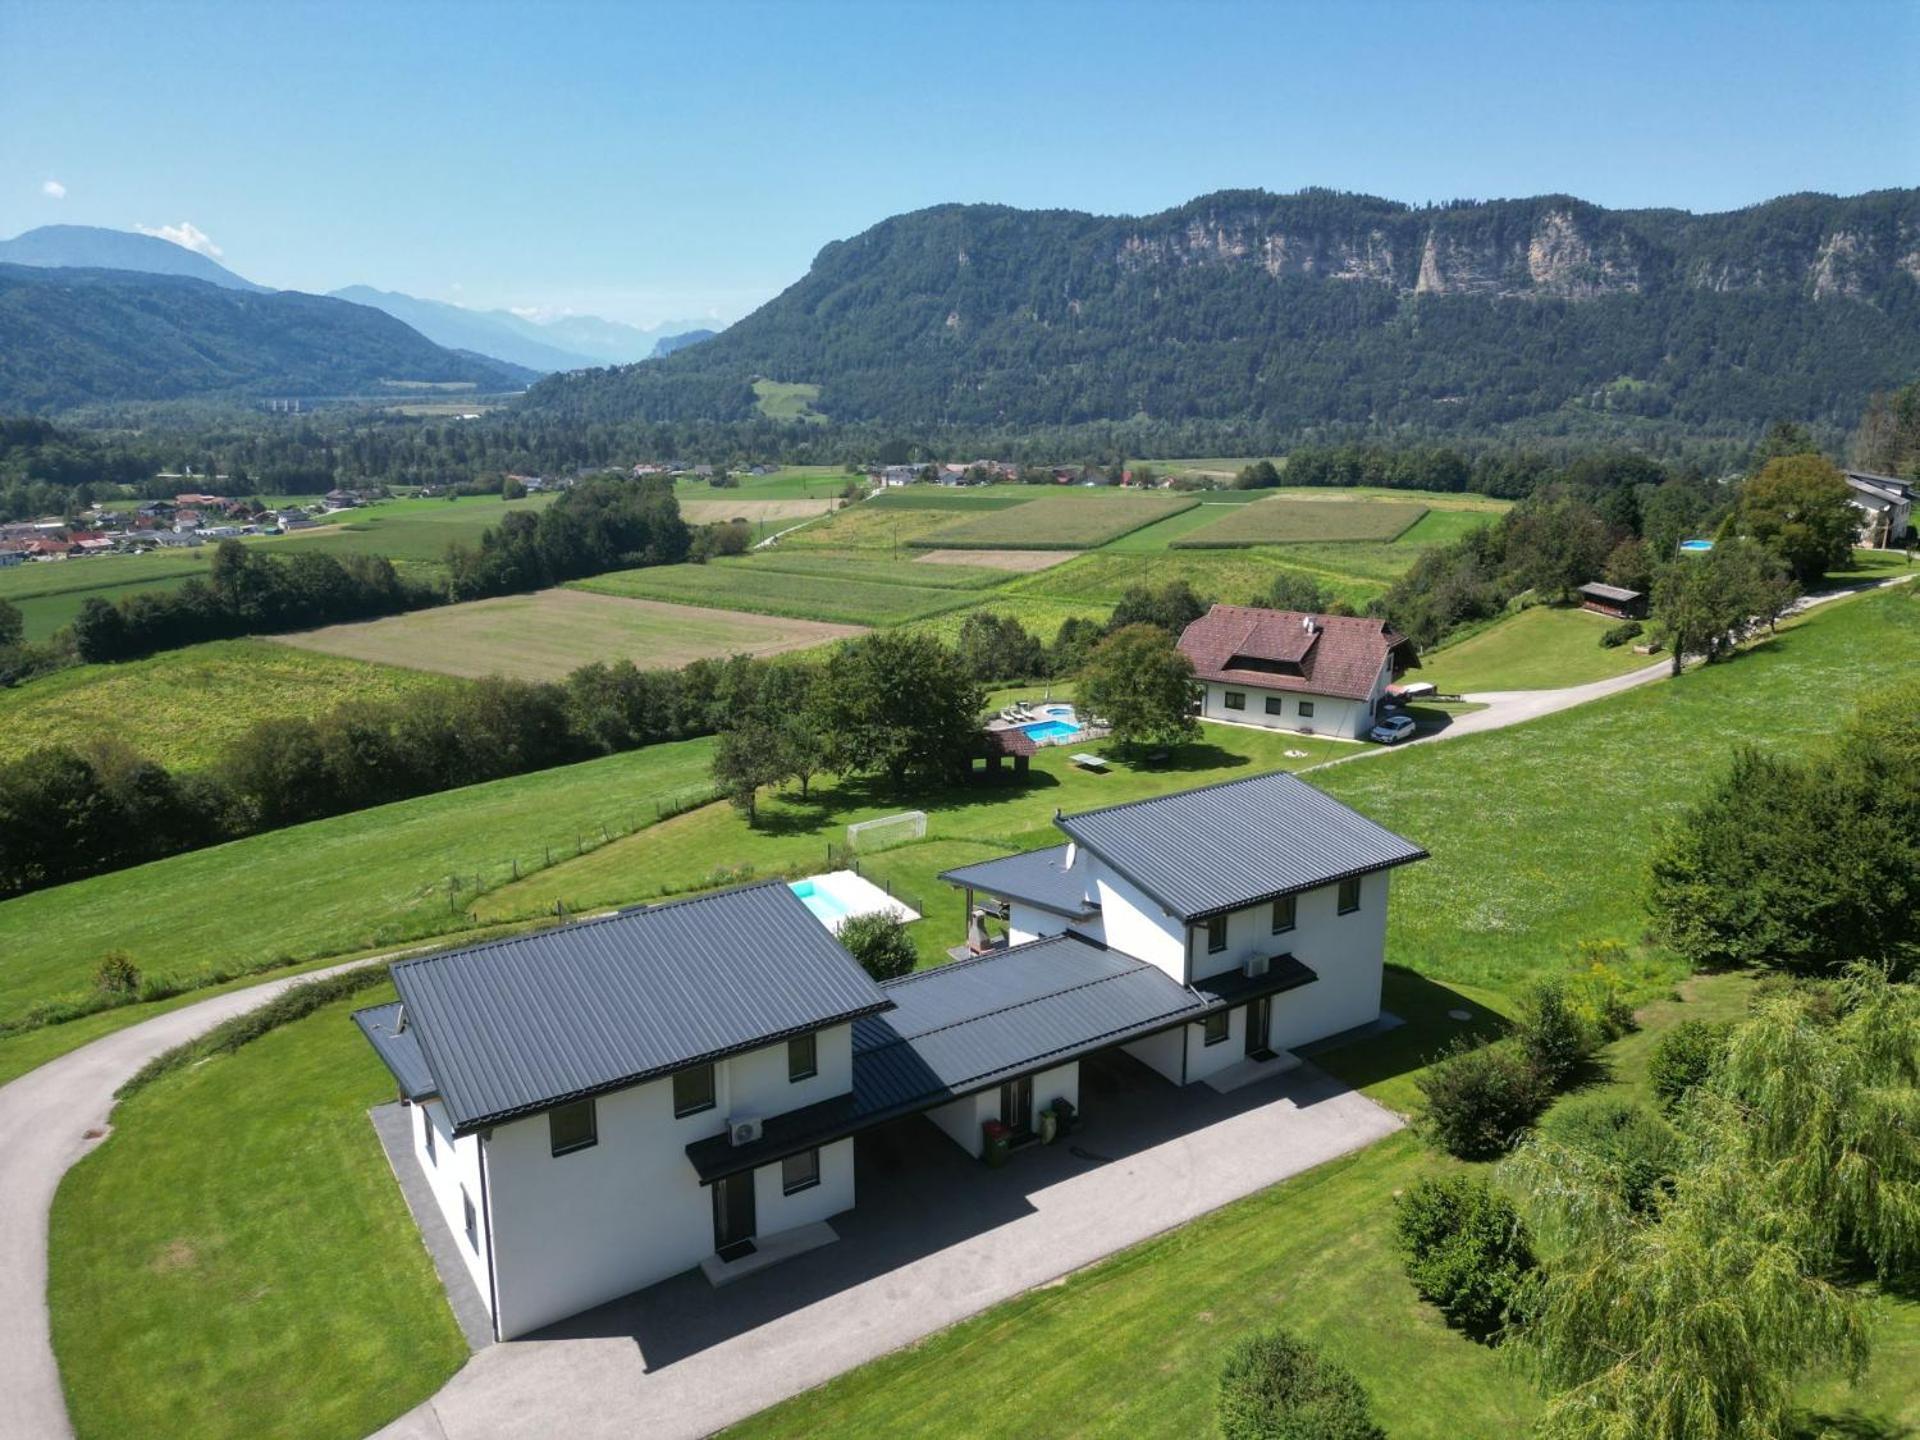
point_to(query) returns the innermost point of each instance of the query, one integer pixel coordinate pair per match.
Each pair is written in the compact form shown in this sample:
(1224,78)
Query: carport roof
(1035,877)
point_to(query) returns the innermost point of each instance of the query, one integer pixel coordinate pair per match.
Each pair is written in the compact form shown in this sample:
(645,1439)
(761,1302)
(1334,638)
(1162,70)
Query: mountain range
(71,337)
(564,342)
(1293,311)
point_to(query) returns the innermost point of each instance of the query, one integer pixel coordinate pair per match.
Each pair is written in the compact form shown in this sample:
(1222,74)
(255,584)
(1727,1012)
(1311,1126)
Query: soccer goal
(867,836)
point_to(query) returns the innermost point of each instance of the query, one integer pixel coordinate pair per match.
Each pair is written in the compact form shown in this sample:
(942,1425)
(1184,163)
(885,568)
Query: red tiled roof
(1340,656)
(1007,742)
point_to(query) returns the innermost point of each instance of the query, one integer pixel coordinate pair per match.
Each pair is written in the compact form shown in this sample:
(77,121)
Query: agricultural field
(184,707)
(410,530)
(759,513)
(1286,521)
(1040,614)
(873,526)
(1017,562)
(377,877)
(788,400)
(1235,577)
(549,633)
(748,587)
(1542,648)
(982,570)
(790,482)
(1056,522)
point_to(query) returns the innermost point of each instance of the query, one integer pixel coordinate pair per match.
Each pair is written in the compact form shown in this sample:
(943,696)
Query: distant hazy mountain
(609,342)
(667,344)
(93,247)
(84,336)
(486,332)
(1292,311)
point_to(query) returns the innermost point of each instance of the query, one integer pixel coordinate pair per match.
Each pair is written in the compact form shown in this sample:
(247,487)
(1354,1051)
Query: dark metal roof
(1236,987)
(398,1046)
(1608,592)
(968,1026)
(1036,877)
(522,1024)
(1227,846)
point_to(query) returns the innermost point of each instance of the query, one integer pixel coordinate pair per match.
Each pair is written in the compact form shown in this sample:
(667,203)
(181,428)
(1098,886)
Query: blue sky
(653,162)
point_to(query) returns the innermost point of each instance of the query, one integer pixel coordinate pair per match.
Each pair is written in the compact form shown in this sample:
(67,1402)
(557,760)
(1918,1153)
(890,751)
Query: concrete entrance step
(1250,1071)
(768,1250)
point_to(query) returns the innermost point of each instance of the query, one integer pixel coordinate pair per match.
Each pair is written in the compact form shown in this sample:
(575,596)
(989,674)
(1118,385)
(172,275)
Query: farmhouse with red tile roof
(1281,669)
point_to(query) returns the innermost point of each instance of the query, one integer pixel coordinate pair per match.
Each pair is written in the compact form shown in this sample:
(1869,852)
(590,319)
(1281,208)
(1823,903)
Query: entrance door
(1016,1106)
(1259,1020)
(733,1218)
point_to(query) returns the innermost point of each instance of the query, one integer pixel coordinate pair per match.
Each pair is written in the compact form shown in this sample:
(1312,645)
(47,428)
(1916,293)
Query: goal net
(866,836)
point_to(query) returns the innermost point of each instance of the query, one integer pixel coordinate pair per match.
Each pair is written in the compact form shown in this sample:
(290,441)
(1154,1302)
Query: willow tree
(1692,1319)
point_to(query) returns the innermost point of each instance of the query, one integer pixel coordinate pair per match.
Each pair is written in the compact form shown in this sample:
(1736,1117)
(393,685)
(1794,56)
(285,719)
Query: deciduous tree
(1141,685)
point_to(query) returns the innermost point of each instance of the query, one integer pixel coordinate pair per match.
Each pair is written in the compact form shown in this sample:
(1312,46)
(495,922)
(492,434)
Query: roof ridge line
(1196,790)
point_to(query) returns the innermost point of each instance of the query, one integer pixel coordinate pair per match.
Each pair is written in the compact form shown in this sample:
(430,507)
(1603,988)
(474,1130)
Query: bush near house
(881,944)
(1481,1099)
(1467,1250)
(1274,1387)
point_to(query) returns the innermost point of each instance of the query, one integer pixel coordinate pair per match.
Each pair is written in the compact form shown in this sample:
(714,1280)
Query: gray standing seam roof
(1035,877)
(523,1024)
(399,1046)
(1227,846)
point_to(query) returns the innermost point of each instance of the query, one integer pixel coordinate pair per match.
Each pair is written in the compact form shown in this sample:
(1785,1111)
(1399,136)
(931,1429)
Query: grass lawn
(1543,648)
(371,879)
(788,400)
(547,634)
(223,1267)
(1285,520)
(184,706)
(1057,522)
(766,591)
(419,530)
(1041,614)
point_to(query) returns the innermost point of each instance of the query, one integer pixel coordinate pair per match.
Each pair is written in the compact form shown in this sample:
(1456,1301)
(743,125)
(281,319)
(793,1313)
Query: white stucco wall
(1160,1053)
(456,1164)
(1060,1083)
(1332,714)
(1204,1059)
(1030,922)
(574,1230)
(1137,925)
(962,1119)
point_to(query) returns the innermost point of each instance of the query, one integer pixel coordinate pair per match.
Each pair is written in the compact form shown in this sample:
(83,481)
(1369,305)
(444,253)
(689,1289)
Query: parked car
(1392,729)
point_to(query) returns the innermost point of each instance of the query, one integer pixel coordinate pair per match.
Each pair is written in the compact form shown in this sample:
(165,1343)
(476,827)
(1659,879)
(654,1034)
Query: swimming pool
(1694,547)
(1061,724)
(828,908)
(839,895)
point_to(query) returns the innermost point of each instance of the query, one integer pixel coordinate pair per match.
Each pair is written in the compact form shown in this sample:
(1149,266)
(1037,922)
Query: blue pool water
(1696,545)
(825,905)
(1050,730)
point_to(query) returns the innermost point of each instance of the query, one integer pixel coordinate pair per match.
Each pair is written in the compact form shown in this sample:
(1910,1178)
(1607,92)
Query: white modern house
(1285,670)
(1885,505)
(603,1105)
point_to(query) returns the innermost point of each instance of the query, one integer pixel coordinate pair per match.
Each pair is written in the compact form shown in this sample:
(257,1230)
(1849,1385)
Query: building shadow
(1427,1010)
(920,1194)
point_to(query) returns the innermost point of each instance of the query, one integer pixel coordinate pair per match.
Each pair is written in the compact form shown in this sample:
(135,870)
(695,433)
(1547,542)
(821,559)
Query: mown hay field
(1057,522)
(764,591)
(183,708)
(1285,521)
(544,635)
(879,569)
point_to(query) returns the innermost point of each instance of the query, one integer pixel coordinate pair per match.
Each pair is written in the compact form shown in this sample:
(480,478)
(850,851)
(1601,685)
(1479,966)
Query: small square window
(572,1127)
(1283,914)
(692,1091)
(1213,1029)
(799,1172)
(1275,705)
(1216,934)
(803,1059)
(473,1220)
(1234,699)
(1349,895)
(1306,709)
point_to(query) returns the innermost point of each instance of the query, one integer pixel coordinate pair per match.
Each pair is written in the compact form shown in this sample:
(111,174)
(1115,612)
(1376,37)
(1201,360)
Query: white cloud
(53,190)
(185,234)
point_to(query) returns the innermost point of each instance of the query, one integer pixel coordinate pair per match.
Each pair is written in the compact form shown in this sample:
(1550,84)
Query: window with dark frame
(1275,705)
(572,1127)
(426,1120)
(473,1220)
(1213,1029)
(1283,914)
(803,1059)
(692,1091)
(1306,709)
(1349,895)
(1234,699)
(1216,934)
(799,1172)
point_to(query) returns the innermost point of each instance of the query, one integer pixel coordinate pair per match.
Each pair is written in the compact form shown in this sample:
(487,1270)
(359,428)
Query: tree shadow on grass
(1845,1425)
(1427,1009)
(1201,755)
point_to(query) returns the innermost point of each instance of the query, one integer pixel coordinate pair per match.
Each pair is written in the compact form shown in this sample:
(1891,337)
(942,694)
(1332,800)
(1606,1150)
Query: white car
(1392,729)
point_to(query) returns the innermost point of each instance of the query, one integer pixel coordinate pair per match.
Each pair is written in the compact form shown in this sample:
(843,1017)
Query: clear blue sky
(666,162)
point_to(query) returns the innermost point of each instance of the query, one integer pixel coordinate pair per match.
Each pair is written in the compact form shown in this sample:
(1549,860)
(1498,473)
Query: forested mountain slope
(71,337)
(1321,307)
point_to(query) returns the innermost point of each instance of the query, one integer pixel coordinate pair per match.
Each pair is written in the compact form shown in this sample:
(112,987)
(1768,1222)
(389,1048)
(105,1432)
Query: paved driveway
(936,1237)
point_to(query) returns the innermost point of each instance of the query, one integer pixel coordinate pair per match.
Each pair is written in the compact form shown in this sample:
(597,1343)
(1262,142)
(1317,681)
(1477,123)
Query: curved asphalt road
(46,1114)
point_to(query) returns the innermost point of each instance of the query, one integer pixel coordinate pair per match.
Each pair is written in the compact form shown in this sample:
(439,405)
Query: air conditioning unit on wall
(744,1130)
(1254,966)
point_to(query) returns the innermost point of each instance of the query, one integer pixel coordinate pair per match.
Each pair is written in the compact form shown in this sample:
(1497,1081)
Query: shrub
(1551,1033)
(1639,1150)
(116,974)
(1466,1250)
(1274,1387)
(1599,992)
(1616,636)
(1480,1098)
(1683,1057)
(881,945)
